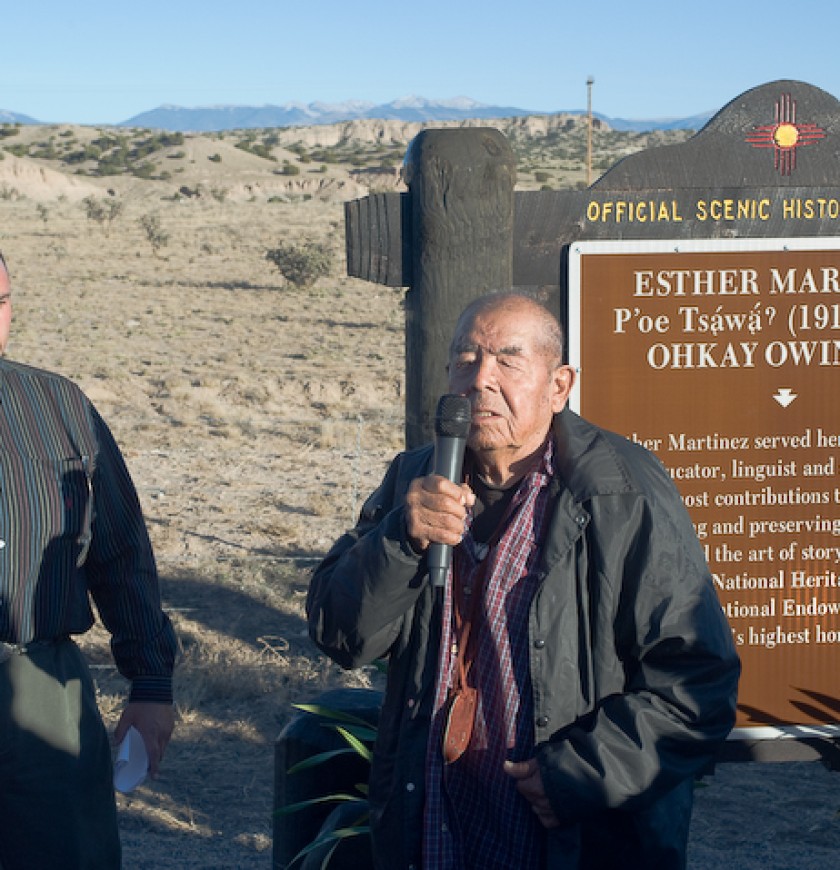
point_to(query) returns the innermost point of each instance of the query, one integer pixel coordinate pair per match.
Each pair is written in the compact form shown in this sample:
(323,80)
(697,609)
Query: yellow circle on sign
(785,135)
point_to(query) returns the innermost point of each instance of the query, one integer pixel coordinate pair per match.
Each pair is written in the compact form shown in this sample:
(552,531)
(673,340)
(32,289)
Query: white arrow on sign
(785,396)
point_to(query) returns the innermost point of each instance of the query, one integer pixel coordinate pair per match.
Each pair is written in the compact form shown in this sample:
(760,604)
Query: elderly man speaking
(551,708)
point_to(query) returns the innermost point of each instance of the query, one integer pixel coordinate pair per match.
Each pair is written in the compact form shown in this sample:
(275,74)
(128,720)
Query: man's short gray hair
(551,339)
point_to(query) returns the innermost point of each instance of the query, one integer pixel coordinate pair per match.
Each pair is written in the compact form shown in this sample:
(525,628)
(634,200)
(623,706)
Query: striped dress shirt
(71,529)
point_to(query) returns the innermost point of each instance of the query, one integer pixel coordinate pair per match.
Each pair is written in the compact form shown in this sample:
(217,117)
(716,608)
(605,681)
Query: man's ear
(564,379)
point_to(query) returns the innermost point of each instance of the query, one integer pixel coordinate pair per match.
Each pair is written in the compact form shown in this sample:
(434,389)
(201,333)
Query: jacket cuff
(151,690)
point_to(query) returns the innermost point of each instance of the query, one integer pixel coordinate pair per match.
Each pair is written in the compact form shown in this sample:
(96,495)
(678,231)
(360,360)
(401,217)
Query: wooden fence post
(462,204)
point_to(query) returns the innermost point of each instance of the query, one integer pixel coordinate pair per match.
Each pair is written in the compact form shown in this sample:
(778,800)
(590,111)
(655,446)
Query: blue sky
(96,62)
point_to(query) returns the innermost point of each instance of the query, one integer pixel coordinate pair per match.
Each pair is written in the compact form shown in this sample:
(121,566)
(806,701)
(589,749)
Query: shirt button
(542,721)
(539,643)
(580,519)
(409,786)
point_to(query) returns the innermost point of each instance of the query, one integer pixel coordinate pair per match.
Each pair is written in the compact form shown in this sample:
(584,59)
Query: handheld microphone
(452,426)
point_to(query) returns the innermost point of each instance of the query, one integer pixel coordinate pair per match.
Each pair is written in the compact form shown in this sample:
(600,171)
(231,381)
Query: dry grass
(251,415)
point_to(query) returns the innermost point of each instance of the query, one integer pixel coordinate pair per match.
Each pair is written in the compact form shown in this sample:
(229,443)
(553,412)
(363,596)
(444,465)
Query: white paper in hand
(132,763)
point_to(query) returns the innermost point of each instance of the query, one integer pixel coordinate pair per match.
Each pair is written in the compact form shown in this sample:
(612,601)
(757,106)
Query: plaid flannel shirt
(474,816)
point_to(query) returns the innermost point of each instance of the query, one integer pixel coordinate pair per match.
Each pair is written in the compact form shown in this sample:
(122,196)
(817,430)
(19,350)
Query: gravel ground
(767,816)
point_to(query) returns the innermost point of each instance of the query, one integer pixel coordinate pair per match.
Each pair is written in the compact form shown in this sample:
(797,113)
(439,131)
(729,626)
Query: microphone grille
(454,417)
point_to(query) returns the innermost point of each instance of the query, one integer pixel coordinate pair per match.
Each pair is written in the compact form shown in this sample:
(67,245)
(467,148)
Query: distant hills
(206,119)
(16,118)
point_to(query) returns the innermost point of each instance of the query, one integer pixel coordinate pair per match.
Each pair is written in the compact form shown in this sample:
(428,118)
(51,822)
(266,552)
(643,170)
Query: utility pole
(589,82)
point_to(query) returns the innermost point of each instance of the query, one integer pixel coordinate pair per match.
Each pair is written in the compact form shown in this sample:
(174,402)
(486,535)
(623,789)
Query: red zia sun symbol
(785,135)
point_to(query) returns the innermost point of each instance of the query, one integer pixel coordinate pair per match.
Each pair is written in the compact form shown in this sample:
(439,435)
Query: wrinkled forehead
(497,330)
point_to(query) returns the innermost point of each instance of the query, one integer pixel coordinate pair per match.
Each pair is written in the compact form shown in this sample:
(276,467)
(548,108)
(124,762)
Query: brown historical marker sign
(723,358)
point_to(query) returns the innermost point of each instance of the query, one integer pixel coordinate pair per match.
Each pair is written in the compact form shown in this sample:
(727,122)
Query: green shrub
(257,148)
(144,170)
(102,211)
(45,151)
(301,265)
(359,736)
(155,235)
(88,152)
(113,163)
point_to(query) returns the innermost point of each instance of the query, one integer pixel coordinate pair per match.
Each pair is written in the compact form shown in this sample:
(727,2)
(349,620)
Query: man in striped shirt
(71,529)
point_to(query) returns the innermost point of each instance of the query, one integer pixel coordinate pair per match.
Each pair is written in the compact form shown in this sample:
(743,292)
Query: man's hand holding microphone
(436,505)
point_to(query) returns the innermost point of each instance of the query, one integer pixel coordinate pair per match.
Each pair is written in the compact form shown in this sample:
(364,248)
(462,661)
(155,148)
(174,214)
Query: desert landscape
(255,415)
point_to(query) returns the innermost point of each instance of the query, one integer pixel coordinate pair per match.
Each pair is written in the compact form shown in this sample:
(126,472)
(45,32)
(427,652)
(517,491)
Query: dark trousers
(57,807)
(652,838)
